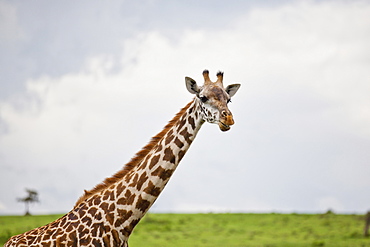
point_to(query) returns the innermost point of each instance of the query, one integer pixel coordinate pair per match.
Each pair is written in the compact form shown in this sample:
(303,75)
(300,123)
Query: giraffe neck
(127,200)
(106,215)
(148,179)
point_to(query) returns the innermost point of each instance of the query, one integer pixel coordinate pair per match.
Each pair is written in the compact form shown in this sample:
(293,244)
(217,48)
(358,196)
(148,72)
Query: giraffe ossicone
(107,214)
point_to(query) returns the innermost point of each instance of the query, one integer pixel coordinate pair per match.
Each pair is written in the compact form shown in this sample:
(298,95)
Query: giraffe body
(106,215)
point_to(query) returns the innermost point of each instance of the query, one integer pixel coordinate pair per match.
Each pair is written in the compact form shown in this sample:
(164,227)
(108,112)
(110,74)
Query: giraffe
(107,214)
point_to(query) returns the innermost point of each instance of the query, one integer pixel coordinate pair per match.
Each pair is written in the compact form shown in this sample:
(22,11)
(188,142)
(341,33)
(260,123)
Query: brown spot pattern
(169,137)
(179,143)
(72,239)
(164,174)
(143,163)
(186,135)
(72,216)
(169,156)
(181,154)
(191,122)
(119,189)
(181,124)
(124,215)
(142,204)
(122,201)
(142,180)
(96,228)
(128,199)
(151,189)
(116,239)
(104,206)
(96,243)
(159,148)
(134,181)
(154,161)
(106,240)
(98,216)
(110,217)
(87,220)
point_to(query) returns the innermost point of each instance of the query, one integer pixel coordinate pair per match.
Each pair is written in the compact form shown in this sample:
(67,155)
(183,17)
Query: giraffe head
(213,99)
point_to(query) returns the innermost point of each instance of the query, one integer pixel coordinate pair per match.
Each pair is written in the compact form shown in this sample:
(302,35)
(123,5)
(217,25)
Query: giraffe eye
(229,101)
(203,99)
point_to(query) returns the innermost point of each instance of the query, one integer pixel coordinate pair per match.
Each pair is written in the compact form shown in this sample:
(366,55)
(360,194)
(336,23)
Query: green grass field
(182,230)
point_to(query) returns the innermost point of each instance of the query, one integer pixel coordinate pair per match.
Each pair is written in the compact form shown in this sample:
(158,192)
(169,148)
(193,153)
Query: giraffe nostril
(224,113)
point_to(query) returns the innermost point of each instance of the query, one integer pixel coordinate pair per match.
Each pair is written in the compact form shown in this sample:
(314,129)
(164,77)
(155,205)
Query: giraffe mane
(134,161)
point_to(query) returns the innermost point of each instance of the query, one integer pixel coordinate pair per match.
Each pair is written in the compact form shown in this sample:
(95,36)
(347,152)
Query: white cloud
(305,86)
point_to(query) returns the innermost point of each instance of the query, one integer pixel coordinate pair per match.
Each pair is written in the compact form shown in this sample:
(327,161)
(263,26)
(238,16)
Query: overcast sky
(85,84)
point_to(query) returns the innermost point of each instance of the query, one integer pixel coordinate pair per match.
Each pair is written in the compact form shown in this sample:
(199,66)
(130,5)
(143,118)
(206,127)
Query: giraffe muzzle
(225,122)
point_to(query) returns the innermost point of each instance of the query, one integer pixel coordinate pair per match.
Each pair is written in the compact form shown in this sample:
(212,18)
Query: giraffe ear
(232,89)
(191,85)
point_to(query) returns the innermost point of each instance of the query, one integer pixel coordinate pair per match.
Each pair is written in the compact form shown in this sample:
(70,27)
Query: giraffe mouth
(225,122)
(223,127)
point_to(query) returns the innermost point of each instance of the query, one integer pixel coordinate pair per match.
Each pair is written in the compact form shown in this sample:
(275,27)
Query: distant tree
(367,224)
(32,197)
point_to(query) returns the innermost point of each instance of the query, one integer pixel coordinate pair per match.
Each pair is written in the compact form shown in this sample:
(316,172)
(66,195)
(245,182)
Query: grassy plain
(232,230)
